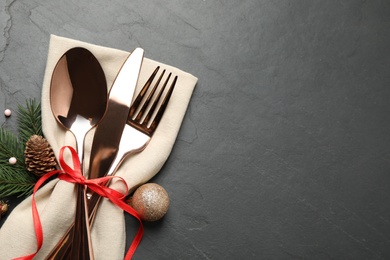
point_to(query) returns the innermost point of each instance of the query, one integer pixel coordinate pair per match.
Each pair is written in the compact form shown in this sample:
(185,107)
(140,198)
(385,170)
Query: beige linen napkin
(56,200)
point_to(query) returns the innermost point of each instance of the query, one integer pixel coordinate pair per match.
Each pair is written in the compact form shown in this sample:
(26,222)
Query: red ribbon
(97,185)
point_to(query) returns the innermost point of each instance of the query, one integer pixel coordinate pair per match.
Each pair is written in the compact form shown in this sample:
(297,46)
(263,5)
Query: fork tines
(144,114)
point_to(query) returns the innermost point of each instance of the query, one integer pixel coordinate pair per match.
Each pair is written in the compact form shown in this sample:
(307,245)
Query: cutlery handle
(81,242)
(76,243)
(61,250)
(64,248)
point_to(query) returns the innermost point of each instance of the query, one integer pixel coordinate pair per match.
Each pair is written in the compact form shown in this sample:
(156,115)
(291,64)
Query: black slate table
(284,152)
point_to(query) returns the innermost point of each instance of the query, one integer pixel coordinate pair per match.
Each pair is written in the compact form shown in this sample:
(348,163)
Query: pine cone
(39,156)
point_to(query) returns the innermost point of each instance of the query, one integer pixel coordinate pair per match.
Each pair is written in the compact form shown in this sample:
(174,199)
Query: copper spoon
(78,98)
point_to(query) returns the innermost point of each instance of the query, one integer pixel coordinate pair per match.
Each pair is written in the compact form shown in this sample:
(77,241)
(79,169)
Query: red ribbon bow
(97,185)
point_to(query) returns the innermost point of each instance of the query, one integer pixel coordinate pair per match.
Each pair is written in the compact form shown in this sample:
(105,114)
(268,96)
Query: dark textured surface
(285,149)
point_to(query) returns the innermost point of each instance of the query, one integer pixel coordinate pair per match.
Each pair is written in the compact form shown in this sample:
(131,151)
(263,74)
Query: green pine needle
(29,120)
(10,147)
(16,179)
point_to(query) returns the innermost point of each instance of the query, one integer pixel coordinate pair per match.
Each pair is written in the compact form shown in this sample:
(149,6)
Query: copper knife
(109,130)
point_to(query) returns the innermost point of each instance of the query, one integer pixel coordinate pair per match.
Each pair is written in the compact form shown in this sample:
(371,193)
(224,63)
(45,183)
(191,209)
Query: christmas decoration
(151,201)
(39,155)
(12,160)
(3,208)
(29,120)
(15,179)
(7,112)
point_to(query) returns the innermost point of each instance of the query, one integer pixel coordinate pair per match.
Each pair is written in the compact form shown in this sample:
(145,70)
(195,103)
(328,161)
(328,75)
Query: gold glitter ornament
(151,201)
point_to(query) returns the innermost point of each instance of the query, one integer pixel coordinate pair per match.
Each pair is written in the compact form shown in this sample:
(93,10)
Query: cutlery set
(79,102)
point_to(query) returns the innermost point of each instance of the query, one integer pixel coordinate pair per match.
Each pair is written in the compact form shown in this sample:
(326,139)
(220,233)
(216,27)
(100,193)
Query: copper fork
(142,123)
(144,117)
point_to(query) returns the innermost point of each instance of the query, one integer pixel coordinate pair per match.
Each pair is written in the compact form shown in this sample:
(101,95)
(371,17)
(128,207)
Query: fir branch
(29,120)
(15,181)
(11,147)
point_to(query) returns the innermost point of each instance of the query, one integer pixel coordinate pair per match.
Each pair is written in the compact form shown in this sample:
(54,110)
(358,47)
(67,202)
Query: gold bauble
(151,201)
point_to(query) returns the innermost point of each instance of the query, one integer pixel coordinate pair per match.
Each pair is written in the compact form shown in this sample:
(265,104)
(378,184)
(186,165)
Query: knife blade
(109,130)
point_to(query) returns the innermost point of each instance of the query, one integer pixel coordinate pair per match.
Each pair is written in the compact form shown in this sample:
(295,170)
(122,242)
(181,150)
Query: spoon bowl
(78,93)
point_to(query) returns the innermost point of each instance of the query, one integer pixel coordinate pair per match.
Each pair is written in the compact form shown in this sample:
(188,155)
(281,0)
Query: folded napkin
(56,200)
